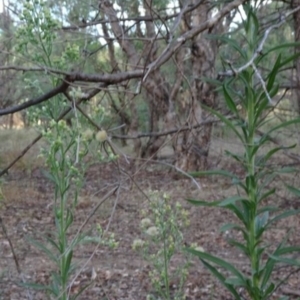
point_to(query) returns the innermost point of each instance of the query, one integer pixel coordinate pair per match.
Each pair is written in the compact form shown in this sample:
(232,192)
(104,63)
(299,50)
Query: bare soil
(121,274)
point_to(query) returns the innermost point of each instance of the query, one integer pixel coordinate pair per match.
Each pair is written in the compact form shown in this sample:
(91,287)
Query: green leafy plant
(254,217)
(64,156)
(162,226)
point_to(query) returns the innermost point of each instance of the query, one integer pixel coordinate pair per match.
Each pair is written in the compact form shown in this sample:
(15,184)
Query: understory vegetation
(149,150)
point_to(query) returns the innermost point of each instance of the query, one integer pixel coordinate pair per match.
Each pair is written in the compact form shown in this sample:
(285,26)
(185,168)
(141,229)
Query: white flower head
(101,136)
(146,222)
(137,243)
(88,134)
(152,231)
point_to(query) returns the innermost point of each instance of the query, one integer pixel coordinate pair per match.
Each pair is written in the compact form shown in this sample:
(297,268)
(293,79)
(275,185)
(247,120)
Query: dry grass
(13,143)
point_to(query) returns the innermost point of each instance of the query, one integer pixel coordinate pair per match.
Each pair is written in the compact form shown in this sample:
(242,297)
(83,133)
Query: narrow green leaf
(43,248)
(286,170)
(218,261)
(273,73)
(266,194)
(290,59)
(203,203)
(268,178)
(239,245)
(231,42)
(229,101)
(261,107)
(237,211)
(261,221)
(222,279)
(67,264)
(225,120)
(81,291)
(269,290)
(288,250)
(266,157)
(55,284)
(52,242)
(69,219)
(235,281)
(238,182)
(286,260)
(282,46)
(231,200)
(274,91)
(284,215)
(268,269)
(282,125)
(267,208)
(49,176)
(230,226)
(239,158)
(293,190)
(213,172)
(213,82)
(35,286)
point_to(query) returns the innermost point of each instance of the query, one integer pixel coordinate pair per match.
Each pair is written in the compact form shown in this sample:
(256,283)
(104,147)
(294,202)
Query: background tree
(152,64)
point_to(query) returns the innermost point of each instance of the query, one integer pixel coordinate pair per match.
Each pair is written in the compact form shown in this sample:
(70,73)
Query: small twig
(11,246)
(97,246)
(62,115)
(171,131)
(25,150)
(288,291)
(285,279)
(74,107)
(14,255)
(259,49)
(93,211)
(113,210)
(263,84)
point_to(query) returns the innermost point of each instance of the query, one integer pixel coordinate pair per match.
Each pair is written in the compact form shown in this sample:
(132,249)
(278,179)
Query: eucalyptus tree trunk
(192,146)
(154,85)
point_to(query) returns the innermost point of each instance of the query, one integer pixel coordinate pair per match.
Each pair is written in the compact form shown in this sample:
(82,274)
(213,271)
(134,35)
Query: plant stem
(252,192)
(166,277)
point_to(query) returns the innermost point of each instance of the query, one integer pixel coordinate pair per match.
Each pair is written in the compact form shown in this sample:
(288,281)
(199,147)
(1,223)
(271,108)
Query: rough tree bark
(192,147)
(169,107)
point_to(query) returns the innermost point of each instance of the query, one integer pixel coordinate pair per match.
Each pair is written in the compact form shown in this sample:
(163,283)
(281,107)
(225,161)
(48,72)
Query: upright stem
(252,190)
(166,277)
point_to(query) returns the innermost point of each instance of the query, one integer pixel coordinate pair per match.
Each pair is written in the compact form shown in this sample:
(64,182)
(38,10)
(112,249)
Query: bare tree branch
(61,88)
(163,133)
(259,49)
(63,114)
(147,18)
(123,76)
(176,44)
